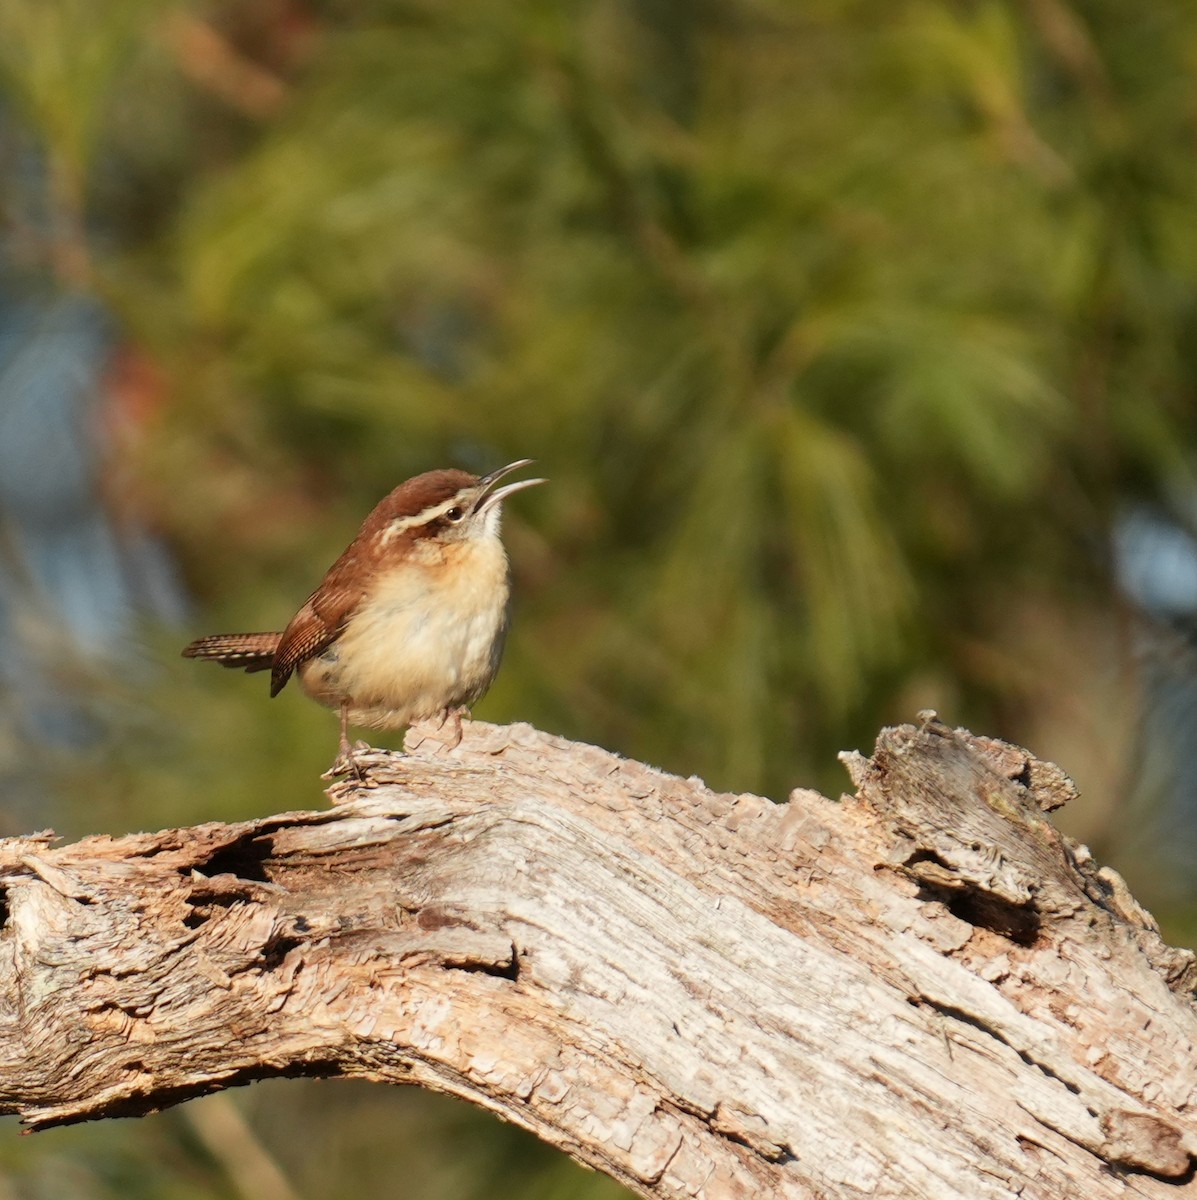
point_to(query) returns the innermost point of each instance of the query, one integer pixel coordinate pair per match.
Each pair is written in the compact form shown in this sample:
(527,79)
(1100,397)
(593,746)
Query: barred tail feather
(243,651)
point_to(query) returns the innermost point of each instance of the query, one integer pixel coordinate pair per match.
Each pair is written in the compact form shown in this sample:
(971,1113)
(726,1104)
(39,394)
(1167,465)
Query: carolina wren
(409,622)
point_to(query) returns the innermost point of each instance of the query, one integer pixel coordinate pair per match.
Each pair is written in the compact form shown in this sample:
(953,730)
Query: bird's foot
(453,717)
(349,762)
(444,732)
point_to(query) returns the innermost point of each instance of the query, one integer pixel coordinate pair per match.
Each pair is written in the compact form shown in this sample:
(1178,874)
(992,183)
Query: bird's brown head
(447,505)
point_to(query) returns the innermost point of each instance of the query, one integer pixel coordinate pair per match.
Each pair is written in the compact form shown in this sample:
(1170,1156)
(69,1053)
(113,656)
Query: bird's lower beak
(490,494)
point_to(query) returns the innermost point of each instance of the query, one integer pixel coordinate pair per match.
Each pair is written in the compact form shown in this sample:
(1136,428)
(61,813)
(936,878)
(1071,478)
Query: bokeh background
(858,339)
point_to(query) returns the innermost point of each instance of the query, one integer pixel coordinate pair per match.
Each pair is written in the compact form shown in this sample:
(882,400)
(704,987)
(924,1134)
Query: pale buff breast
(428,638)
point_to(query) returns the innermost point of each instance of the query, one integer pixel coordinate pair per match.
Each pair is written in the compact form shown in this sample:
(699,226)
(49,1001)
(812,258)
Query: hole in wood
(277,948)
(1018,923)
(965,899)
(244,859)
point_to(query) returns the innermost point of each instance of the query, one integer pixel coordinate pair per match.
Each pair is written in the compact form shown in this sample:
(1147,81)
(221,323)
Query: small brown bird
(409,622)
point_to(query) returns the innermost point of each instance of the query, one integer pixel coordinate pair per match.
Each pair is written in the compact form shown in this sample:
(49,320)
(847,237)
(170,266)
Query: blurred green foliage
(843,330)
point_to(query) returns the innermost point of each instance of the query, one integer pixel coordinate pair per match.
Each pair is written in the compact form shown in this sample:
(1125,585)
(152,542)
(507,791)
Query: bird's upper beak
(489,494)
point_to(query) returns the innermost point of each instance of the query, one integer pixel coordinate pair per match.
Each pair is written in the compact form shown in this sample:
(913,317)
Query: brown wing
(327,610)
(317,624)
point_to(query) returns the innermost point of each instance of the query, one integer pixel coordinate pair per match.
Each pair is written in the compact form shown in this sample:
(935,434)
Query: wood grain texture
(922,990)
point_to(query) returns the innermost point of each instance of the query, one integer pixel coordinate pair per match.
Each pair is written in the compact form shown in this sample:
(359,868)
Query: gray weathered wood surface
(919,991)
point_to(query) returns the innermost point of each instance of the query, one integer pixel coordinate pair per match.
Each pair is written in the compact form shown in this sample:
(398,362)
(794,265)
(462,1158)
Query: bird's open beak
(489,494)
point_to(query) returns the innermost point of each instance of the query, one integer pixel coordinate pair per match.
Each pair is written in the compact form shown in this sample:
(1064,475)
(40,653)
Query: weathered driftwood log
(922,990)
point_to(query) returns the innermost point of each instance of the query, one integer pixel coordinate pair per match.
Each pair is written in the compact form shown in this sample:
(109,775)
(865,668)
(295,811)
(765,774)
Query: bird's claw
(443,731)
(348,762)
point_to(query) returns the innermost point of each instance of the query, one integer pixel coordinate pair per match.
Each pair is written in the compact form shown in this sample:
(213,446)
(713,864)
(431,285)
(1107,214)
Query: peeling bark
(922,990)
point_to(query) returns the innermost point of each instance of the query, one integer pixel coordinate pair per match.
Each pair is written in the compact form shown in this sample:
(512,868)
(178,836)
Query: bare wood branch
(922,990)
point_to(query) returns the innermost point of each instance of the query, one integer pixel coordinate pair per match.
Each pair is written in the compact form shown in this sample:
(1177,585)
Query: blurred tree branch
(209,59)
(922,990)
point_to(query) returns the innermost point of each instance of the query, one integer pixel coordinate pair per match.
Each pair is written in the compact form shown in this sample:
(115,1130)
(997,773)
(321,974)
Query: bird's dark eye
(455,514)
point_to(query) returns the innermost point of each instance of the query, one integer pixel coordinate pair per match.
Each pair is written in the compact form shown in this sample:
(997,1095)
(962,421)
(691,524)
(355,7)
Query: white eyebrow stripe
(401,524)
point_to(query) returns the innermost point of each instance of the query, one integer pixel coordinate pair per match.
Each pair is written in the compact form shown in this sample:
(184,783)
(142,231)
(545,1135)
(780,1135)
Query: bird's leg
(346,761)
(455,715)
(443,728)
